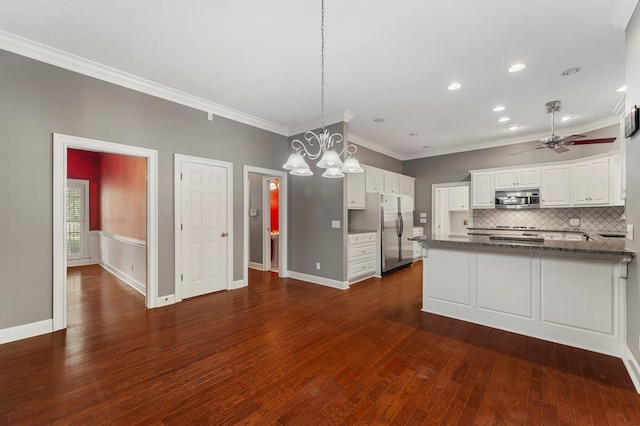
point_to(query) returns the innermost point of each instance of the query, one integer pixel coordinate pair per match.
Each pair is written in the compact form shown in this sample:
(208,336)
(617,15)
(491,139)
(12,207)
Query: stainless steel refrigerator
(391,216)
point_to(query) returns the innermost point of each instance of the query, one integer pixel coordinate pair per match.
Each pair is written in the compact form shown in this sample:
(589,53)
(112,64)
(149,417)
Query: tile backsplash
(591,218)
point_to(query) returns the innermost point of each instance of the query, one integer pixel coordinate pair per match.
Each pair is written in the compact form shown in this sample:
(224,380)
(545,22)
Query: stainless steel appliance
(517,199)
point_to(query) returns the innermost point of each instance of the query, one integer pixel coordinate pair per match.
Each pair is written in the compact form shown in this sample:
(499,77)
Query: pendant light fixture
(322,145)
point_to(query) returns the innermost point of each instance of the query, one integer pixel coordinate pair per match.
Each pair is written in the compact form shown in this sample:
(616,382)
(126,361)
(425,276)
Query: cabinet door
(391,183)
(459,198)
(599,189)
(407,186)
(374,179)
(580,181)
(506,179)
(528,178)
(555,188)
(482,191)
(355,190)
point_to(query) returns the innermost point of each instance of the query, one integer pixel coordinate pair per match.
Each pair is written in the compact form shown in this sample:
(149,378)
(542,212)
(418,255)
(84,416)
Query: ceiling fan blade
(591,141)
(560,148)
(565,140)
(528,150)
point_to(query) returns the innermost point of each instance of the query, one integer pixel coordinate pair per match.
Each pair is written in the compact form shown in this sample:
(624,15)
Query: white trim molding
(621,13)
(167,300)
(340,285)
(633,368)
(60,145)
(343,117)
(59,58)
(237,284)
(256,265)
(25,331)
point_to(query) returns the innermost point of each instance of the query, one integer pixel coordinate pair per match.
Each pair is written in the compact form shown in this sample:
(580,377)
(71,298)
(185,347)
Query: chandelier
(323,144)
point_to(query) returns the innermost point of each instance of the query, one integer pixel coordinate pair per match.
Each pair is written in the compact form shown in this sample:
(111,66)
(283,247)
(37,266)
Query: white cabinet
(391,183)
(482,190)
(355,190)
(418,231)
(552,235)
(526,178)
(617,181)
(361,255)
(590,182)
(407,186)
(458,198)
(374,179)
(555,187)
(573,236)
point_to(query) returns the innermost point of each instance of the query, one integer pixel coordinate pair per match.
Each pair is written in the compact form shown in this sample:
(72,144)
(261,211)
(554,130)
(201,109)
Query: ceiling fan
(560,143)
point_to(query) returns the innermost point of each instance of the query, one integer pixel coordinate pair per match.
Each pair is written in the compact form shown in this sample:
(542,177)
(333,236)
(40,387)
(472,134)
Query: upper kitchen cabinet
(374,179)
(391,183)
(590,182)
(459,198)
(555,187)
(525,178)
(482,190)
(356,195)
(407,186)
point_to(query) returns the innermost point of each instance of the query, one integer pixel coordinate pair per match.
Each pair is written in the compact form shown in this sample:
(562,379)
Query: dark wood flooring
(288,352)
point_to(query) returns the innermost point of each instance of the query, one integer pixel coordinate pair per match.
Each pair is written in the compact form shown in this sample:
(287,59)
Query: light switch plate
(423,215)
(423,220)
(574,222)
(630,232)
(335,224)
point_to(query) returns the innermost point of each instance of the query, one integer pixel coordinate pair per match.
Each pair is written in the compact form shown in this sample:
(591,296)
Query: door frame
(61,143)
(178,159)
(266,221)
(434,188)
(283,266)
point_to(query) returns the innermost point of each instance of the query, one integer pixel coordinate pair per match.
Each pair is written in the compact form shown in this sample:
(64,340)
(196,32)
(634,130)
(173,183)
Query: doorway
(450,211)
(61,144)
(280,248)
(270,230)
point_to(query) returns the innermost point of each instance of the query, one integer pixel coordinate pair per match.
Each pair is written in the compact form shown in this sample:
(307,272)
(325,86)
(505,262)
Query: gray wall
(255,222)
(314,202)
(633,183)
(375,159)
(455,167)
(38,100)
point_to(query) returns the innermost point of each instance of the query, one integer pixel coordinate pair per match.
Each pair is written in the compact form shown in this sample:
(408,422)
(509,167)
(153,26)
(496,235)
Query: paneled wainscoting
(282,351)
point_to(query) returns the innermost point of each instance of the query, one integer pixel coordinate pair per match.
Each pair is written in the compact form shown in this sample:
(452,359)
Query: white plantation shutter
(77,218)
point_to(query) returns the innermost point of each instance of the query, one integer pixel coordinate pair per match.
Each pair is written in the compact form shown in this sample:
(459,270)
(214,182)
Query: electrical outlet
(574,222)
(318,266)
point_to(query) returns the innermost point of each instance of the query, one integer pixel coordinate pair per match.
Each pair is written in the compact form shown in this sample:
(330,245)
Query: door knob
(224,234)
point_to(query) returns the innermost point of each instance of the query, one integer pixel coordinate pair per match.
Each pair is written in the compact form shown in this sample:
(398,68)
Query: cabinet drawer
(357,269)
(417,252)
(362,250)
(361,238)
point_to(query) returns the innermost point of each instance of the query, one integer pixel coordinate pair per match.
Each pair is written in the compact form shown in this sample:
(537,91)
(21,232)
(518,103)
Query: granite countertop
(598,245)
(589,232)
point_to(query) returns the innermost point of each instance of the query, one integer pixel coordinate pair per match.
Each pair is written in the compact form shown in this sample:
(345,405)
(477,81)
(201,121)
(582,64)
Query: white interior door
(204,229)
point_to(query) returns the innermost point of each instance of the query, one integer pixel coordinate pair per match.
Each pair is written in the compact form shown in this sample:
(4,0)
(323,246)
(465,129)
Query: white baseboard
(237,284)
(169,299)
(256,265)
(633,368)
(25,331)
(340,285)
(82,262)
(138,286)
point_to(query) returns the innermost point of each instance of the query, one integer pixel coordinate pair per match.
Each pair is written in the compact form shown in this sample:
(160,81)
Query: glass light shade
(351,165)
(295,161)
(333,172)
(302,171)
(330,159)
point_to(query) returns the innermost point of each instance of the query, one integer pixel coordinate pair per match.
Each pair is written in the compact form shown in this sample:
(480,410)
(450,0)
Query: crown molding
(343,117)
(621,13)
(359,140)
(589,127)
(40,52)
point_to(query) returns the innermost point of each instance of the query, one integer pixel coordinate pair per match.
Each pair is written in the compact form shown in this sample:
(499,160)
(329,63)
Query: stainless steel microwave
(518,199)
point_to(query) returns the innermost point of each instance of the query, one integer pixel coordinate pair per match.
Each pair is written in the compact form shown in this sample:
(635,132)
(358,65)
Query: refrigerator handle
(399,224)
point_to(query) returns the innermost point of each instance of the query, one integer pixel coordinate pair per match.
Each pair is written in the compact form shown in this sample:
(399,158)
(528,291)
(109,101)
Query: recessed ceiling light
(513,127)
(516,67)
(413,134)
(621,89)
(454,86)
(378,120)
(566,117)
(499,108)
(570,71)
(504,119)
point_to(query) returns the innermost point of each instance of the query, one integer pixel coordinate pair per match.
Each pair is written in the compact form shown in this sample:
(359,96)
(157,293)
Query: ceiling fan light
(330,159)
(352,165)
(295,161)
(333,172)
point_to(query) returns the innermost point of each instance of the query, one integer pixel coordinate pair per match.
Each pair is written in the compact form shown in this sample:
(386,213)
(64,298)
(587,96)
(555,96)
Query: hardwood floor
(288,352)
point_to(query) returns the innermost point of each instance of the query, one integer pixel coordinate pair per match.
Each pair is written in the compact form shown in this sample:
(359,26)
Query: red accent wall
(275,194)
(86,165)
(124,195)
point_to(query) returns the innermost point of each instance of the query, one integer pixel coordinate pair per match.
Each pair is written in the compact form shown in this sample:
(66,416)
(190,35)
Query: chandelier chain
(322,69)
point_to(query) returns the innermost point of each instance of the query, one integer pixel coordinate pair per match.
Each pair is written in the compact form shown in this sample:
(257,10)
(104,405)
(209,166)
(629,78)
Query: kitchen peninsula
(570,292)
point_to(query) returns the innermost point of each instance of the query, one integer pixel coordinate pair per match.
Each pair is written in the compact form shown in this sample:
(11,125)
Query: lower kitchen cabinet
(418,231)
(361,255)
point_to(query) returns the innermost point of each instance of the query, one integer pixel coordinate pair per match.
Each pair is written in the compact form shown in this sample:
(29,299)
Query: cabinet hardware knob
(224,234)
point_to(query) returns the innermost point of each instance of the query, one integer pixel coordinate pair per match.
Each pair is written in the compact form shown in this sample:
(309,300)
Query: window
(77,218)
